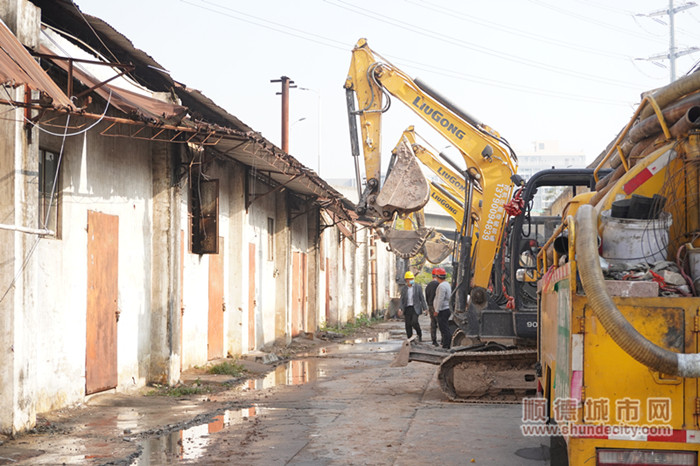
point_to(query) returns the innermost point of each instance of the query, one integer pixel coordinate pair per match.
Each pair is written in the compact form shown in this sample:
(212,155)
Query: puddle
(297,372)
(382,336)
(191,443)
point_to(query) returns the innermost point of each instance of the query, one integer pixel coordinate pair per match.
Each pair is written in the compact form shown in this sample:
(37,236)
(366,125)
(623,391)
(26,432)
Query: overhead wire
(32,249)
(278,27)
(328,42)
(505,85)
(452,13)
(475,47)
(588,19)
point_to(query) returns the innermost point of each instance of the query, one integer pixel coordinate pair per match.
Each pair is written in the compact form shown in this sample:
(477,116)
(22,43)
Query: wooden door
(102,307)
(215,334)
(251,296)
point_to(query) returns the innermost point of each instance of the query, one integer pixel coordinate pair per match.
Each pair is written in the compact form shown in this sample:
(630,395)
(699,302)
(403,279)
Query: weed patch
(233,369)
(360,321)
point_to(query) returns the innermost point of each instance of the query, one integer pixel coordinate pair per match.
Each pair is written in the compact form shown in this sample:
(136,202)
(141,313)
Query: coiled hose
(621,331)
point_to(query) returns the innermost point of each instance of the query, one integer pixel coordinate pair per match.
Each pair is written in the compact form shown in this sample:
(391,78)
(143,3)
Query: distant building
(545,155)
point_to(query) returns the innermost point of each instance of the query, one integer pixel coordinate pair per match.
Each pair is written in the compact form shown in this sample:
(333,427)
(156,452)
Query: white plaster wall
(195,298)
(236,301)
(299,242)
(385,273)
(112,176)
(265,275)
(195,290)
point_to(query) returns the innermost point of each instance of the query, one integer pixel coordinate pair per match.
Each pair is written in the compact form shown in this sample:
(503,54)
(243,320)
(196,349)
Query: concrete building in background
(144,229)
(544,155)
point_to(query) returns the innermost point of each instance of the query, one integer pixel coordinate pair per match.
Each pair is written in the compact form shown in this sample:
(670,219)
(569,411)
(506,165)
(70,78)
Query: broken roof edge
(65,15)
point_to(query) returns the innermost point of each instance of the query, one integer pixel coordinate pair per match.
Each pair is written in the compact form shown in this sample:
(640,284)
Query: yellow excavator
(490,177)
(491,163)
(495,292)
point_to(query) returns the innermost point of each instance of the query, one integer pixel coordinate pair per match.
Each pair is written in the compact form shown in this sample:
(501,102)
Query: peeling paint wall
(163,289)
(111,176)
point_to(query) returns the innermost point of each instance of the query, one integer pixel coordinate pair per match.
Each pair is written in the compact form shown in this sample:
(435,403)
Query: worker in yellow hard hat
(412,305)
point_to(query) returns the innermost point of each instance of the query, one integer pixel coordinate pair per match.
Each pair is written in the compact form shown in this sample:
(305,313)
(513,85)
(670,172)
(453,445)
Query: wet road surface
(339,404)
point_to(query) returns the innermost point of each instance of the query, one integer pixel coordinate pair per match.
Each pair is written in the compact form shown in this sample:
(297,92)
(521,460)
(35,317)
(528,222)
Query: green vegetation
(179,390)
(360,321)
(228,368)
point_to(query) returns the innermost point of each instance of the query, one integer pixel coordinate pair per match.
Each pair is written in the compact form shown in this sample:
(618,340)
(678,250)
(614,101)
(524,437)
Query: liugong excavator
(487,258)
(490,176)
(491,164)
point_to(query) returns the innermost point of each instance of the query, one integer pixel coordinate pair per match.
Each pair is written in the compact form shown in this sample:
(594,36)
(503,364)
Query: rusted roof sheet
(136,105)
(18,67)
(242,144)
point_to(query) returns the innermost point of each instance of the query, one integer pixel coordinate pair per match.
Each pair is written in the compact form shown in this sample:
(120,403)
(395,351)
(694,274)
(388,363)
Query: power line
(474,47)
(505,85)
(673,51)
(606,6)
(278,27)
(517,32)
(587,19)
(328,42)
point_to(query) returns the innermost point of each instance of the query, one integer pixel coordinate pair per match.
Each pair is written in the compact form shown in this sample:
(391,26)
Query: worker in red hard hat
(430,297)
(441,305)
(412,305)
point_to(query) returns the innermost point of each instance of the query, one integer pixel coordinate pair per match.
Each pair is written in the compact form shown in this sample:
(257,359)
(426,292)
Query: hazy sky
(563,70)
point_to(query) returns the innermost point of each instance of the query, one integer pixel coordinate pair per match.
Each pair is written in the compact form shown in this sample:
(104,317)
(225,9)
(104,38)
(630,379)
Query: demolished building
(144,229)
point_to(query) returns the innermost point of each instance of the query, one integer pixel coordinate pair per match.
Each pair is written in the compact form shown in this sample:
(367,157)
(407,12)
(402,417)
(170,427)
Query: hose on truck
(621,331)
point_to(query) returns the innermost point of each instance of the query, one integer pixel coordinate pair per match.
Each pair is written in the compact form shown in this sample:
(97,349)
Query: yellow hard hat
(408,275)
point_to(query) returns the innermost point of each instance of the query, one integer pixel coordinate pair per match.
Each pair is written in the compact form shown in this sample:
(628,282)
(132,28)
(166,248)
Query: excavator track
(488,376)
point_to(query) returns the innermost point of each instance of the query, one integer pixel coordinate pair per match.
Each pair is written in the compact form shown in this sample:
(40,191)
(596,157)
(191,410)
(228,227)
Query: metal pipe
(354,141)
(605,309)
(31,231)
(449,105)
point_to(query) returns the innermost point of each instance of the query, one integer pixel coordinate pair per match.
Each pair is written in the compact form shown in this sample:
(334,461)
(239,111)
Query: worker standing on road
(441,305)
(412,305)
(430,297)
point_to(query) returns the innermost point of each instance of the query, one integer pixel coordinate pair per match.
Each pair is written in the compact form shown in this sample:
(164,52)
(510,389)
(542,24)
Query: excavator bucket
(437,248)
(405,189)
(407,243)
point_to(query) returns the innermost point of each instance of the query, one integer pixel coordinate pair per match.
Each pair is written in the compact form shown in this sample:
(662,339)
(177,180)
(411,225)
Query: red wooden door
(251,296)
(102,295)
(215,334)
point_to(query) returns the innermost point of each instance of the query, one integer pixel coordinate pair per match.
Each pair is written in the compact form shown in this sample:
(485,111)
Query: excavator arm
(489,159)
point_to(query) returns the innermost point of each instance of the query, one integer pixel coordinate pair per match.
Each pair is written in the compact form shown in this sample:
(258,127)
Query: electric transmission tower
(673,52)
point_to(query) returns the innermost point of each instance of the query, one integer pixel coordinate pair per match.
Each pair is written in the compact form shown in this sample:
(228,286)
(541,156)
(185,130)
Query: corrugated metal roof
(139,106)
(241,143)
(18,67)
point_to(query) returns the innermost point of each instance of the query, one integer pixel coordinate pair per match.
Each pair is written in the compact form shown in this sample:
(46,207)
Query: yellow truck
(618,305)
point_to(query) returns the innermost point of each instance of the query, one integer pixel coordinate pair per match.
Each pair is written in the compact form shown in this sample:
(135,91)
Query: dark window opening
(270,238)
(204,216)
(49,184)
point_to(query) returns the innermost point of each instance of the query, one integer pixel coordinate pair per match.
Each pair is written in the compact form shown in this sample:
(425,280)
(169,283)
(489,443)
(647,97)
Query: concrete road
(340,404)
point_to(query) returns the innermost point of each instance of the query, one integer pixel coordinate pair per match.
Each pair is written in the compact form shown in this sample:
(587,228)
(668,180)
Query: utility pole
(673,53)
(286,85)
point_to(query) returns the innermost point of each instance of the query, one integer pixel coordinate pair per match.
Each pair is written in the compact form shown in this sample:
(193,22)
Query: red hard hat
(436,271)
(440,272)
